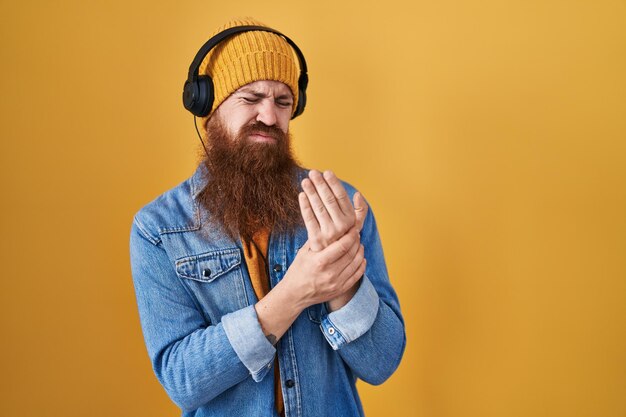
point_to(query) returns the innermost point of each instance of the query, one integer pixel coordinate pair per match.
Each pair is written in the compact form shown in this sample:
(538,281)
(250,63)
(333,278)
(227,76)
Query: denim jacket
(196,306)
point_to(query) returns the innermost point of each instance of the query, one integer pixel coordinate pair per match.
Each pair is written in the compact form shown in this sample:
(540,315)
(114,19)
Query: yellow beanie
(247,57)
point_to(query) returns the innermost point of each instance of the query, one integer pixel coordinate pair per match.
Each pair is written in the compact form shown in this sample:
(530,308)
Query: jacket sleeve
(368,332)
(194,360)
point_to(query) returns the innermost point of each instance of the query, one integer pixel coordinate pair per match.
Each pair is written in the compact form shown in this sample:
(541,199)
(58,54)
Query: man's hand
(328,215)
(312,278)
(329,265)
(327,211)
(326,274)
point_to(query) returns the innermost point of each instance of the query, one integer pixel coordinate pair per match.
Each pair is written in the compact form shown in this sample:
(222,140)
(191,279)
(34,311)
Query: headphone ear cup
(198,95)
(300,105)
(205,96)
(190,94)
(303,82)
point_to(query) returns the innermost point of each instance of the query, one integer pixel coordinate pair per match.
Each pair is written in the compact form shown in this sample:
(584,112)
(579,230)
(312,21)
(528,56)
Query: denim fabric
(207,348)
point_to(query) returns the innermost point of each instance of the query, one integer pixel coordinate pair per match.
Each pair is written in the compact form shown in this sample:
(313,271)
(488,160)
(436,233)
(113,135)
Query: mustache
(259,127)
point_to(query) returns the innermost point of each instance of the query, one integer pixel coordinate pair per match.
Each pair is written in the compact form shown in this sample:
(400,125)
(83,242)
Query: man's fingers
(340,193)
(352,268)
(318,206)
(360,210)
(352,261)
(351,252)
(310,221)
(327,197)
(340,247)
(353,255)
(356,275)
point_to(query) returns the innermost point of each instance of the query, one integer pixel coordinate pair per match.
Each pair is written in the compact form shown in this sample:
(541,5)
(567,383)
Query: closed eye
(250,100)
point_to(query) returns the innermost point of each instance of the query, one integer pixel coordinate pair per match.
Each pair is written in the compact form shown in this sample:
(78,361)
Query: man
(262,290)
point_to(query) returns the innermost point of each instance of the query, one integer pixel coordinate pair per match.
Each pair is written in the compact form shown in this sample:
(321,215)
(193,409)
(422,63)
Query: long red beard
(251,185)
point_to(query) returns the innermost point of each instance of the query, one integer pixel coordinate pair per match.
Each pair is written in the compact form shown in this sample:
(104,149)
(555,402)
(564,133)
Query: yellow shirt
(258,269)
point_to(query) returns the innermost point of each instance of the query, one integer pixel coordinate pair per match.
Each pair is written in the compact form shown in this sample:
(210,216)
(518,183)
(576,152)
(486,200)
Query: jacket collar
(199,180)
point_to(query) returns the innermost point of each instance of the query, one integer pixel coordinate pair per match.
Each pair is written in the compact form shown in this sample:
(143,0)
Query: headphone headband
(198,90)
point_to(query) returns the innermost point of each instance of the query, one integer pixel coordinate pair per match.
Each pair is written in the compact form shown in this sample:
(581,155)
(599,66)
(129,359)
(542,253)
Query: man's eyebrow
(263,95)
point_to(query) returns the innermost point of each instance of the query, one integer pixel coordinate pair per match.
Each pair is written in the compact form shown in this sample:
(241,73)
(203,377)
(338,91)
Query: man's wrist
(277,311)
(340,301)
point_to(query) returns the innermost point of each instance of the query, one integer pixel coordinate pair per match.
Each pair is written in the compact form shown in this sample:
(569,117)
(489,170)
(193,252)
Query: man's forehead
(265,87)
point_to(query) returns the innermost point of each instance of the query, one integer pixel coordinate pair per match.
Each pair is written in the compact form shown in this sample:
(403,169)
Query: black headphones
(198,91)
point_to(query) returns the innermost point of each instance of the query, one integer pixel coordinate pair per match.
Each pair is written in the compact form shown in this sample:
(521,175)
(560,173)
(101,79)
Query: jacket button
(206,273)
(278,268)
(289,383)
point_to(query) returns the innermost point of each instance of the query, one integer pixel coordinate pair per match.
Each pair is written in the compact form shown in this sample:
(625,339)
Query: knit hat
(247,57)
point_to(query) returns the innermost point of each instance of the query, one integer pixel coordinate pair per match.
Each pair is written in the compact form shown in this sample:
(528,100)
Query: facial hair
(252,185)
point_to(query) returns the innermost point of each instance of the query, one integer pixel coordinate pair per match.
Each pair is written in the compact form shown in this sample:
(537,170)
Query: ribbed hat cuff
(255,66)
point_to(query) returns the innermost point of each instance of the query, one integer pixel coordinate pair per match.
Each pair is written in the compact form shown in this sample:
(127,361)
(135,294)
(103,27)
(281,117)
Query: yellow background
(489,137)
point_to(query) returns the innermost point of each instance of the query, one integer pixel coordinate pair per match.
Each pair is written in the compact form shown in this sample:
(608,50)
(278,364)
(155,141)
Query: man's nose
(267,112)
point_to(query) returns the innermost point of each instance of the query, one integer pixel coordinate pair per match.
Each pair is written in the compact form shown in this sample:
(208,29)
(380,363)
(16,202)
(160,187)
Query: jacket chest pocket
(216,280)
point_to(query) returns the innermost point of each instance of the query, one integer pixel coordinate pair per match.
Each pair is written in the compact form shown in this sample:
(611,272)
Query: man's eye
(284,103)
(250,100)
